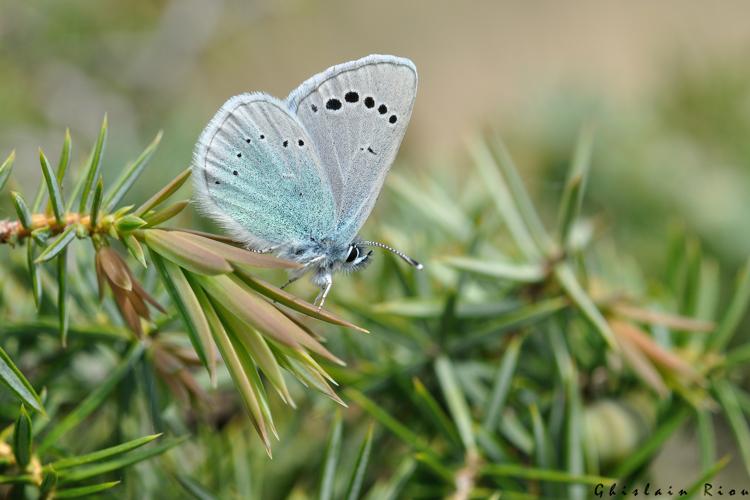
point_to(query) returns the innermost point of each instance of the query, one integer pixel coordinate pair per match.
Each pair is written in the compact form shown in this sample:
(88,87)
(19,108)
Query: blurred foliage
(676,160)
(524,362)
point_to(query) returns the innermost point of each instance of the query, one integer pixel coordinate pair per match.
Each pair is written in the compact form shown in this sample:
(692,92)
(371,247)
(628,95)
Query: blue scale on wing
(262,171)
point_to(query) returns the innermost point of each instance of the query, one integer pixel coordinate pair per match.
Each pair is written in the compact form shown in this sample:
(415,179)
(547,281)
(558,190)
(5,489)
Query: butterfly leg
(296,274)
(290,281)
(263,250)
(325,288)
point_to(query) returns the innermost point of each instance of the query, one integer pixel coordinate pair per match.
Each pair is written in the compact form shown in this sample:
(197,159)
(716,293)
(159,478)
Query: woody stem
(12,231)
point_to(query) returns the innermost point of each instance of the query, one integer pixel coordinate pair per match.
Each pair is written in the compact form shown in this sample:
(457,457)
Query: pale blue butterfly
(300,177)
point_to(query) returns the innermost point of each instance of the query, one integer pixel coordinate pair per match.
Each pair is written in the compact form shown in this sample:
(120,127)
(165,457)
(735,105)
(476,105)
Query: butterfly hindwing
(357,114)
(257,171)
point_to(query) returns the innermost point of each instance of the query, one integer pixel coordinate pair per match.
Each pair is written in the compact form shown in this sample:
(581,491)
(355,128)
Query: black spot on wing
(333,104)
(351,96)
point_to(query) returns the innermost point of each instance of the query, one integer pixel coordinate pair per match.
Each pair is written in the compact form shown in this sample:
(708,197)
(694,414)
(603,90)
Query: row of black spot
(352,97)
(300,143)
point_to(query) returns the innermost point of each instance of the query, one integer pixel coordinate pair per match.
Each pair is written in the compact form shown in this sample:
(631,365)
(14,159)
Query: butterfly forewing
(257,171)
(357,113)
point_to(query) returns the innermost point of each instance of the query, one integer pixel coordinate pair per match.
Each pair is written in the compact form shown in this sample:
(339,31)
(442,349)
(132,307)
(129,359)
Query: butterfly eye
(353,254)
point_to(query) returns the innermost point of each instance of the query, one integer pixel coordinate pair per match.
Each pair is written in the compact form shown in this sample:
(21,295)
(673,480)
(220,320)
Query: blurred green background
(666,84)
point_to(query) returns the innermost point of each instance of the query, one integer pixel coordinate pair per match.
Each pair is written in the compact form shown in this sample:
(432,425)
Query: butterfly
(299,177)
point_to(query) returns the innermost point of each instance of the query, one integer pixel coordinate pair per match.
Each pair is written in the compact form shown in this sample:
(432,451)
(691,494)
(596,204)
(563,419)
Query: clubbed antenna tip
(405,257)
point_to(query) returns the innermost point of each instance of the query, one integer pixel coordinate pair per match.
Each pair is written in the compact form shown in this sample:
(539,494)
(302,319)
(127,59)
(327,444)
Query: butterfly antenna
(408,259)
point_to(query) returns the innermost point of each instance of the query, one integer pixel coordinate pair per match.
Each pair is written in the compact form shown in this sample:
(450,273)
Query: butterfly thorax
(326,256)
